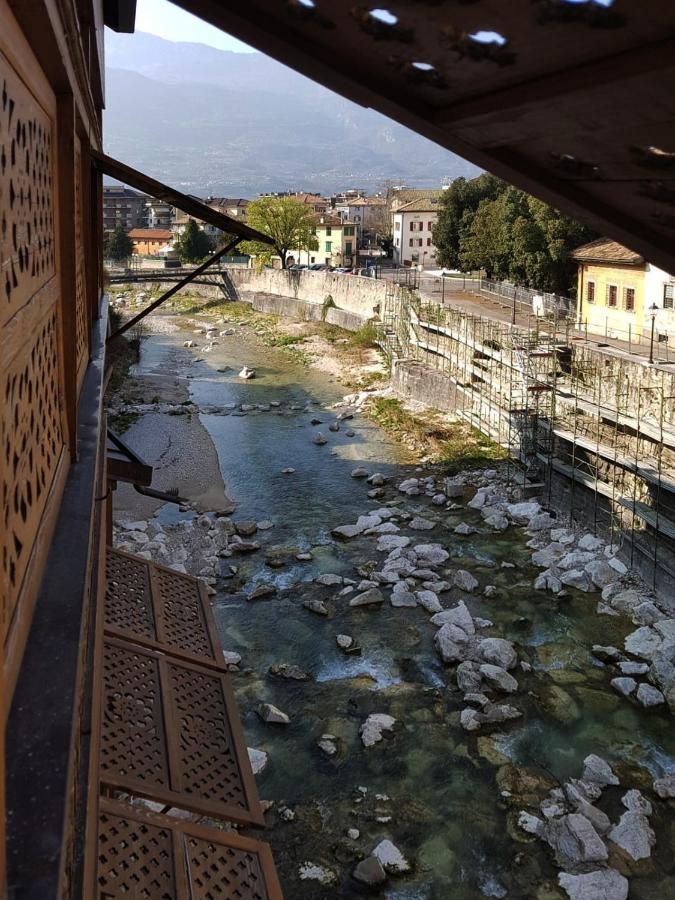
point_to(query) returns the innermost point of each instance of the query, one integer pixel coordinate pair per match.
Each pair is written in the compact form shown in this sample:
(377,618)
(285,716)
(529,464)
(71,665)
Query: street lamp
(653,310)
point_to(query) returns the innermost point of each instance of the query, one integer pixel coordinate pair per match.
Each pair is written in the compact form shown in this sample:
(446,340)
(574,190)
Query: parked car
(320,267)
(342,270)
(298,267)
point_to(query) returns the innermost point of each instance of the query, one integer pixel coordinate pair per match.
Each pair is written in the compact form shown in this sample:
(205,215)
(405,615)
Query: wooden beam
(595,74)
(116,169)
(181,284)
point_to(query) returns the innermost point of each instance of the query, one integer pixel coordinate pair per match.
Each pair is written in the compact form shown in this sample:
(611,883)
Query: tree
(460,198)
(119,245)
(286,220)
(193,244)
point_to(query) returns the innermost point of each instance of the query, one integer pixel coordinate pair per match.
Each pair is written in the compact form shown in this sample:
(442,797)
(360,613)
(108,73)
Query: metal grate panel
(159,608)
(144,855)
(170,731)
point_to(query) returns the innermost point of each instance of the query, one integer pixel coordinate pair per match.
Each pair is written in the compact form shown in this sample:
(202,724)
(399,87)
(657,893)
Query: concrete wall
(353,293)
(414,381)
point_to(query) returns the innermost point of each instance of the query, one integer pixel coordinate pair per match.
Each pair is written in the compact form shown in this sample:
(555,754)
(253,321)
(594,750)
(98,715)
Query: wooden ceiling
(571,100)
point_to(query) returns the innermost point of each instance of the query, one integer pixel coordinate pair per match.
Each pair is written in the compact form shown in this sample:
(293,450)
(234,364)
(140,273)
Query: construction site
(588,427)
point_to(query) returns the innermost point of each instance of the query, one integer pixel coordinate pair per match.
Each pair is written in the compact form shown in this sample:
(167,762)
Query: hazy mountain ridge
(213,121)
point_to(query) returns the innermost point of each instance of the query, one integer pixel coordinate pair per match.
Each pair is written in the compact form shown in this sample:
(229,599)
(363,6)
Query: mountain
(212,121)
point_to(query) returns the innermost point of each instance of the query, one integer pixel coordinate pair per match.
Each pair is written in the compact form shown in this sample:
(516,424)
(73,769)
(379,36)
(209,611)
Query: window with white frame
(629,299)
(612,295)
(668,295)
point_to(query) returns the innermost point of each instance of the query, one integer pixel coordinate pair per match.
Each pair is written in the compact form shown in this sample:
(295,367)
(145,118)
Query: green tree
(287,221)
(193,244)
(119,245)
(461,198)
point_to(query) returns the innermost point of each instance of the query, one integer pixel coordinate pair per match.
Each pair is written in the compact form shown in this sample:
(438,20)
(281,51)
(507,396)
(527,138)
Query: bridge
(216,275)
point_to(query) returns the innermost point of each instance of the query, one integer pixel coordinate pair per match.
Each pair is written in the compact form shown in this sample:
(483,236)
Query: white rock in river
(389,542)
(634,835)
(636,801)
(574,840)
(664,787)
(603,884)
(368,598)
(372,728)
(644,642)
(597,770)
(431,554)
(390,857)
(327,743)
(465,529)
(429,601)
(344,641)
(499,677)
(231,657)
(247,373)
(421,524)
(328,579)
(459,616)
(272,714)
(624,685)
(403,598)
(258,760)
(359,473)
(319,438)
(464,581)
(649,696)
(498,651)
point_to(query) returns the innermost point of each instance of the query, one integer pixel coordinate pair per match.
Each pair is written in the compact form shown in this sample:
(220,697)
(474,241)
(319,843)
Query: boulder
(389,542)
(258,760)
(391,858)
(261,591)
(549,556)
(429,601)
(575,559)
(631,667)
(541,522)
(465,581)
(574,841)
(359,472)
(431,554)
(624,685)
(409,486)
(590,542)
(499,678)
(316,606)
(370,871)
(644,642)
(579,579)
(327,743)
(464,529)
(633,835)
(498,651)
(600,573)
(606,653)
(459,616)
(272,714)
(288,672)
(664,787)
(329,580)
(637,802)
(451,643)
(245,529)
(247,373)
(603,884)
(547,581)
(521,513)
(649,696)
(231,658)
(403,598)
(372,728)
(308,871)
(598,771)
(368,598)
(469,679)
(418,523)
(646,613)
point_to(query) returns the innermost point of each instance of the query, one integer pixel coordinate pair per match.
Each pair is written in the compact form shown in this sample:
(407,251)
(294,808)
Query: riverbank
(440,653)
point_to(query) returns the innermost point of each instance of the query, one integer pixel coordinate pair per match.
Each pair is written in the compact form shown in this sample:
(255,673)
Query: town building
(316,203)
(619,291)
(150,241)
(158,214)
(337,243)
(413,230)
(235,208)
(369,214)
(123,206)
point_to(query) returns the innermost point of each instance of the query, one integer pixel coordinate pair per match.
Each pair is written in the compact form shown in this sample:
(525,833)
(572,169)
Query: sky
(168,21)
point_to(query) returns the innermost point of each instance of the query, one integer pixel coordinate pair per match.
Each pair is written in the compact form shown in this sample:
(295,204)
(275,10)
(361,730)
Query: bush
(366,336)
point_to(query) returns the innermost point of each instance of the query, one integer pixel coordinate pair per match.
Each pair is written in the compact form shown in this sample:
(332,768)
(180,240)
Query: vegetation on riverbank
(121,355)
(432,438)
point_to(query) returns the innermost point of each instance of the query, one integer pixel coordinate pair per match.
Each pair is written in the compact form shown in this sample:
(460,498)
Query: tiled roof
(424,204)
(150,234)
(606,250)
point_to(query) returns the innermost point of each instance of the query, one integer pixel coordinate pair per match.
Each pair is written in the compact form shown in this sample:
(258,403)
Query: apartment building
(123,206)
(413,230)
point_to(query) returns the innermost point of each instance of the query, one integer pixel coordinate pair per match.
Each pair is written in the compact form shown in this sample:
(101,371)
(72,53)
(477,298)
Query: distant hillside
(213,121)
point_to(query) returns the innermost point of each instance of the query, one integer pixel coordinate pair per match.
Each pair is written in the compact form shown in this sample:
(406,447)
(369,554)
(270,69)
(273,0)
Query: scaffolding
(593,428)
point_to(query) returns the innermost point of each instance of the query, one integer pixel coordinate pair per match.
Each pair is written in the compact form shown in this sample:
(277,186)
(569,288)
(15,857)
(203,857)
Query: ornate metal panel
(170,731)
(159,608)
(144,855)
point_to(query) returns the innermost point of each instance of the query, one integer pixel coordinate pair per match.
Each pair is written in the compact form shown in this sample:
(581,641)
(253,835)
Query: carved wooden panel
(146,855)
(27,238)
(31,441)
(81,306)
(32,461)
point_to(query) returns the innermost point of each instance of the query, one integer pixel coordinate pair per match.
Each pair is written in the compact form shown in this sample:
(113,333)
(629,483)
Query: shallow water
(447,815)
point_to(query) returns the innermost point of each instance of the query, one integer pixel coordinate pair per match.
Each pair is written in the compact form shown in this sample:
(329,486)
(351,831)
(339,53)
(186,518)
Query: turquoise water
(445,811)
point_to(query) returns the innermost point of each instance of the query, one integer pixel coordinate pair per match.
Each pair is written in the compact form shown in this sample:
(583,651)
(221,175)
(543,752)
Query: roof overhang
(567,109)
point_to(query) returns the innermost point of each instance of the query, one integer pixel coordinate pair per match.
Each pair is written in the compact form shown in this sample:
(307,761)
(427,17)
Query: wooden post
(65,185)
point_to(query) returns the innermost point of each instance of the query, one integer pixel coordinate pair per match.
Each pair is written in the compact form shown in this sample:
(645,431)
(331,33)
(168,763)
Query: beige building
(413,232)
(337,243)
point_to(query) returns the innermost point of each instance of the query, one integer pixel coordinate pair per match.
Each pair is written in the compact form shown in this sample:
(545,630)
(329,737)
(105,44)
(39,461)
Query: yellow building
(336,240)
(611,289)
